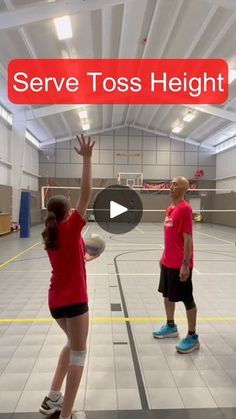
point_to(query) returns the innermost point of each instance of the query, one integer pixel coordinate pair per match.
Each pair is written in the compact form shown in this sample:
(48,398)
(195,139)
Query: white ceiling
(124,29)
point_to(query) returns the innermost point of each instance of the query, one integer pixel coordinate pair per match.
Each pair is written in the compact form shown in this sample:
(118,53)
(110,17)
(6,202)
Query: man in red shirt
(176,266)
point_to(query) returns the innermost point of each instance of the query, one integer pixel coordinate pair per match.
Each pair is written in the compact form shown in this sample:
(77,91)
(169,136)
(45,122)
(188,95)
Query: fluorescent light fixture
(232,75)
(83,114)
(9,119)
(63,27)
(85,127)
(177,129)
(32,139)
(188,117)
(226,145)
(7,116)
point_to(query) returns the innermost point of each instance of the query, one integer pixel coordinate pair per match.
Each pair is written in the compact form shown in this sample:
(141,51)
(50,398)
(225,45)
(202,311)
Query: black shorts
(172,288)
(69,311)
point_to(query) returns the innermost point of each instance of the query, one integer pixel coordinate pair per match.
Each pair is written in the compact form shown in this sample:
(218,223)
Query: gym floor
(128,374)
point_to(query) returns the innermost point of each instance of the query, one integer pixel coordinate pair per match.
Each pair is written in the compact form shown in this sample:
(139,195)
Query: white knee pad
(77,358)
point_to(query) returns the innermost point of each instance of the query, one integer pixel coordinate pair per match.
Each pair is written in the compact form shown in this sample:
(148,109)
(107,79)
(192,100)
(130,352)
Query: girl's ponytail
(58,209)
(50,233)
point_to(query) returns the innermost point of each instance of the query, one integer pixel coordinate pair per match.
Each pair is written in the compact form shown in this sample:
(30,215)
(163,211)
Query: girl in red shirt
(68,299)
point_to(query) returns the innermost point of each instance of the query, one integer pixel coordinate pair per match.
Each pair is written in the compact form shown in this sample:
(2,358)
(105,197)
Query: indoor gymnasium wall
(5,169)
(129,150)
(225,179)
(30,173)
(5,166)
(159,200)
(6,199)
(154,200)
(225,201)
(30,180)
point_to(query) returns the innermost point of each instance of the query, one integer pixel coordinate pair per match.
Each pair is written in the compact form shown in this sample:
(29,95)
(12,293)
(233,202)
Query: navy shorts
(69,311)
(172,288)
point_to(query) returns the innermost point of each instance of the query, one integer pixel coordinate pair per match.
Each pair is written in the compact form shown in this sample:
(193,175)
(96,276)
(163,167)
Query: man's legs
(169,330)
(170,310)
(167,285)
(192,318)
(191,342)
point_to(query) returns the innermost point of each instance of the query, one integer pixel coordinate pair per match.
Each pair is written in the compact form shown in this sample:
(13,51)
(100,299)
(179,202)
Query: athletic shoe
(48,406)
(188,344)
(166,331)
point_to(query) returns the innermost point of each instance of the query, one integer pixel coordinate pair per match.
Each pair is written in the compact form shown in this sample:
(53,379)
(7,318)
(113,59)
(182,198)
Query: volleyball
(94,245)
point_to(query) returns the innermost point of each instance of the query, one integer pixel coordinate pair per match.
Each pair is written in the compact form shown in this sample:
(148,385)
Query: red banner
(118,81)
(164,185)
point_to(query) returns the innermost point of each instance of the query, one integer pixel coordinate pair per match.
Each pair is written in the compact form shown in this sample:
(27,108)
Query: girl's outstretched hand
(85,146)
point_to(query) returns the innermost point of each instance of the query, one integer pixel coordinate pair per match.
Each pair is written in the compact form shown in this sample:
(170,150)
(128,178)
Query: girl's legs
(63,362)
(77,331)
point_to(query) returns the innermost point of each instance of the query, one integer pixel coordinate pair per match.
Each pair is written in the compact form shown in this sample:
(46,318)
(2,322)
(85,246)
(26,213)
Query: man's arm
(184,271)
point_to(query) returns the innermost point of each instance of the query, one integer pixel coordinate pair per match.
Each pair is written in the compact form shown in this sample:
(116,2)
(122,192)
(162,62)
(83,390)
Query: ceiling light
(177,129)
(232,76)
(83,114)
(63,27)
(188,117)
(225,145)
(32,139)
(85,127)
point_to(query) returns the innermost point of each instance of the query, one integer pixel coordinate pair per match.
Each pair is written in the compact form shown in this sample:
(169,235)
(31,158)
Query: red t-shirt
(68,281)
(178,220)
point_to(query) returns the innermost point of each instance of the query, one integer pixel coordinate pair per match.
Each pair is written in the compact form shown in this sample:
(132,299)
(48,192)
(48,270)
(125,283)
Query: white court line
(214,237)
(86,230)
(218,273)
(139,229)
(134,273)
(132,244)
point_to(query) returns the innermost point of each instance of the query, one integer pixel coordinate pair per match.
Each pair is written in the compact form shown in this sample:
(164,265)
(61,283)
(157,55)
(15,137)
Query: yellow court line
(119,319)
(18,255)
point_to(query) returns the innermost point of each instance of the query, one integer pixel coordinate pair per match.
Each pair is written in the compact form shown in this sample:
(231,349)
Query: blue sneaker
(188,344)
(166,332)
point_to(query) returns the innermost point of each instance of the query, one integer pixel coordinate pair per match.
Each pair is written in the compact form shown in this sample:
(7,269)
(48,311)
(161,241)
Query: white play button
(116,209)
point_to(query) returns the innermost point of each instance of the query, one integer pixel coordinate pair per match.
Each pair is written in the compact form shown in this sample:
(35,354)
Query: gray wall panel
(63,156)
(163,143)
(149,157)
(177,157)
(121,143)
(191,158)
(177,145)
(118,149)
(135,143)
(106,143)
(106,156)
(149,143)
